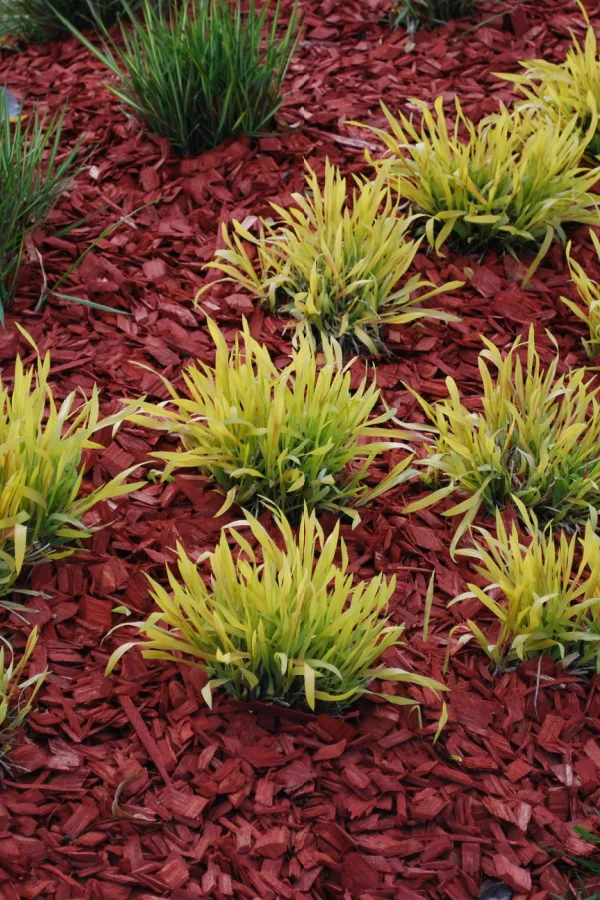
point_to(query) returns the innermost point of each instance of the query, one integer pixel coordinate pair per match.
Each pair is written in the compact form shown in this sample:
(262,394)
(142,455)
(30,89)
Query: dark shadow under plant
(200,72)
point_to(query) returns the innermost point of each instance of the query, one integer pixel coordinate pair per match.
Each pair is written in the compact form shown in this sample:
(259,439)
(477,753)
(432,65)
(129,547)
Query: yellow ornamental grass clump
(535,441)
(548,593)
(339,266)
(289,626)
(515,179)
(41,469)
(565,91)
(286,437)
(17,695)
(589,293)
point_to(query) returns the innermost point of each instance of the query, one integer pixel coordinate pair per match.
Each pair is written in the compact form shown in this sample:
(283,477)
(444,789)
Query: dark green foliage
(37,21)
(33,173)
(411,14)
(200,72)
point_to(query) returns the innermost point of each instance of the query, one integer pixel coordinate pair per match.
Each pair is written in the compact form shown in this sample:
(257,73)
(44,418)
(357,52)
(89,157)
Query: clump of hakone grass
(287,625)
(589,294)
(41,470)
(200,72)
(37,21)
(33,175)
(514,181)
(548,593)
(17,694)
(535,441)
(340,267)
(411,14)
(291,437)
(567,90)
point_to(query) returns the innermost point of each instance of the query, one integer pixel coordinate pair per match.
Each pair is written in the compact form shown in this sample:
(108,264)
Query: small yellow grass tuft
(291,437)
(589,293)
(549,593)
(516,179)
(340,267)
(41,469)
(289,627)
(536,441)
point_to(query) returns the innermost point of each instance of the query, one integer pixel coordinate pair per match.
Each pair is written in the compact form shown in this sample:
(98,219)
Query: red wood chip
(183,806)
(333,751)
(516,878)
(174,873)
(486,282)
(272,843)
(518,770)
(592,750)
(358,874)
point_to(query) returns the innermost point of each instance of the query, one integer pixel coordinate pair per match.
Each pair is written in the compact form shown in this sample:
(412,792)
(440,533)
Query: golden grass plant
(536,440)
(549,593)
(17,694)
(589,294)
(516,179)
(291,437)
(41,469)
(565,91)
(288,625)
(342,267)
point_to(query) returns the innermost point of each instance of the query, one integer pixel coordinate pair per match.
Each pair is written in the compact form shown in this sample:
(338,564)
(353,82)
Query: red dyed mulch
(131,787)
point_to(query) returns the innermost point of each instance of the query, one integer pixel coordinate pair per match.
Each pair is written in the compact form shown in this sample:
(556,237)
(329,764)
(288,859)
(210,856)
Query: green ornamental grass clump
(285,623)
(411,14)
(202,71)
(43,20)
(34,172)
(291,437)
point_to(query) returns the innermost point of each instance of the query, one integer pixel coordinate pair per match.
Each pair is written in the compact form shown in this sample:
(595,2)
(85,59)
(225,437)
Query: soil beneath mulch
(130,786)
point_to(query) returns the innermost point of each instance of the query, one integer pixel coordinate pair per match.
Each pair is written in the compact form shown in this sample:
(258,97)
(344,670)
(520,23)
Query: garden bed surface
(133,787)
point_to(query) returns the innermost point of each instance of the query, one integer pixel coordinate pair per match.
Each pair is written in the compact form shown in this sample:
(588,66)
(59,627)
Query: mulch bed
(130,786)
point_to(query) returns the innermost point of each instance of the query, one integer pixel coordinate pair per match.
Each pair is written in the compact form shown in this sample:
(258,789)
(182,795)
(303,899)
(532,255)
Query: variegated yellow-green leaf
(340,266)
(515,179)
(534,442)
(291,437)
(289,627)
(41,465)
